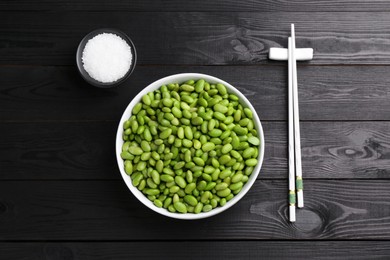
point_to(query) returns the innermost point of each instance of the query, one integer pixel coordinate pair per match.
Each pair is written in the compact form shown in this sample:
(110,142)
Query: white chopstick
(297,132)
(291,150)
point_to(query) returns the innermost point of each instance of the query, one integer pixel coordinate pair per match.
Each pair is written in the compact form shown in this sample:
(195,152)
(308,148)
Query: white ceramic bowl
(178,78)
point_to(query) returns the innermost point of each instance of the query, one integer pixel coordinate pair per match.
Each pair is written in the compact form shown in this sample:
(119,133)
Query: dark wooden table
(61,194)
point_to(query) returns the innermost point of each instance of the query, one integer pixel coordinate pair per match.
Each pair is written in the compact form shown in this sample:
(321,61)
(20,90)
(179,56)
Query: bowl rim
(84,74)
(181,77)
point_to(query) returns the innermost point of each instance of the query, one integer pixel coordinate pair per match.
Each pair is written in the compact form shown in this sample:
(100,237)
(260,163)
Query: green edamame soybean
(199,86)
(213,203)
(155,177)
(164,134)
(215,132)
(188,132)
(141,185)
(159,166)
(166,178)
(254,140)
(128,167)
(221,186)
(248,152)
(152,192)
(167,202)
(180,182)
(210,186)
(137,108)
(206,177)
(198,161)
(198,208)
(201,185)
(174,189)
(135,150)
(179,165)
(171,208)
(151,183)
(208,146)
(158,203)
(220,108)
(248,113)
(221,89)
(137,179)
(180,207)
(146,100)
(226,148)
(190,188)
(237,177)
(224,193)
(191,200)
(236,186)
(224,159)
(251,162)
(207,208)
(205,196)
(175,198)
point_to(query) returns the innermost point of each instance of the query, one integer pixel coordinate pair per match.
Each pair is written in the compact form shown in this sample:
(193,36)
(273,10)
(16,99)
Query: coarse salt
(107,57)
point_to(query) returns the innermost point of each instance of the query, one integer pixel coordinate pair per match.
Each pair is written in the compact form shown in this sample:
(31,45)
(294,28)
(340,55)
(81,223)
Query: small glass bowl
(84,74)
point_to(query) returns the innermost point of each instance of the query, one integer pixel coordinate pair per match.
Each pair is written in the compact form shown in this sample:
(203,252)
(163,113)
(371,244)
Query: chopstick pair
(294,135)
(292,54)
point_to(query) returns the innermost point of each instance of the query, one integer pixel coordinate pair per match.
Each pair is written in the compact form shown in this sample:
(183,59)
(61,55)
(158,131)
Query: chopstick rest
(301,54)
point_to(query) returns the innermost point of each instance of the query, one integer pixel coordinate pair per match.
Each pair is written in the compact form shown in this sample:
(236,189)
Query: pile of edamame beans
(190,147)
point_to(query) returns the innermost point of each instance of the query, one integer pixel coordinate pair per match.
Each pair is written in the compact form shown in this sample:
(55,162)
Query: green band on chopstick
(299,183)
(291,198)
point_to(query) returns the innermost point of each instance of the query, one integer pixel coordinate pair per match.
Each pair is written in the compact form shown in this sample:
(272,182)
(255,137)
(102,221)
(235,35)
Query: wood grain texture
(325,92)
(105,210)
(85,150)
(331,150)
(61,195)
(51,38)
(198,250)
(201,5)
(55,150)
